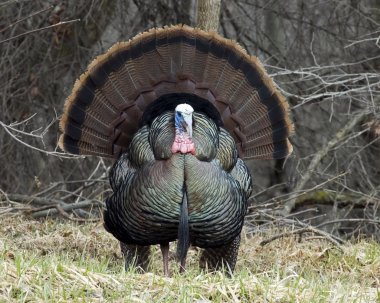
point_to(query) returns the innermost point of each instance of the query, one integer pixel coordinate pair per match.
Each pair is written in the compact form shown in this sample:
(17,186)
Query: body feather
(217,198)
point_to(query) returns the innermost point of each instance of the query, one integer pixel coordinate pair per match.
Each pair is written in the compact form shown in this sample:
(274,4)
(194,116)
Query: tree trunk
(208,15)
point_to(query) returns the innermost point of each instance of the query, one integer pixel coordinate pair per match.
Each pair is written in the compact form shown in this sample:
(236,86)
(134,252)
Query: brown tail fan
(103,111)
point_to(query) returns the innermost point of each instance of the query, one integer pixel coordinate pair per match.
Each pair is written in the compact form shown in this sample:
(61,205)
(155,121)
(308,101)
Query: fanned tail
(107,102)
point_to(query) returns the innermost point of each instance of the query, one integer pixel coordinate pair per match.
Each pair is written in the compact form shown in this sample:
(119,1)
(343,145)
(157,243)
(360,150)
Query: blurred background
(324,56)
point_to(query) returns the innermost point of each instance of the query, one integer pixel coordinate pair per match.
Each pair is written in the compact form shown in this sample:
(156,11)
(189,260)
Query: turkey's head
(183,118)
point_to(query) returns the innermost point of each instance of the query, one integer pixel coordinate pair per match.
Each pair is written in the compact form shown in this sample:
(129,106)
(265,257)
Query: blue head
(184,119)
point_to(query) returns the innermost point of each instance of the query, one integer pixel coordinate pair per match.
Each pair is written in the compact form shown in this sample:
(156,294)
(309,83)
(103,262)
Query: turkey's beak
(189,125)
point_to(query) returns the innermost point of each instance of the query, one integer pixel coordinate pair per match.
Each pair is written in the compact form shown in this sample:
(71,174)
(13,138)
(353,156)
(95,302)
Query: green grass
(48,261)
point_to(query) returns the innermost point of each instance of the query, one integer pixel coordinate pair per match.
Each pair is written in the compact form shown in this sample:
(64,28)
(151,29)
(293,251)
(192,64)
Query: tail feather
(125,74)
(151,66)
(188,56)
(86,134)
(213,64)
(175,52)
(107,93)
(277,150)
(74,147)
(265,118)
(109,99)
(183,231)
(202,49)
(261,138)
(162,53)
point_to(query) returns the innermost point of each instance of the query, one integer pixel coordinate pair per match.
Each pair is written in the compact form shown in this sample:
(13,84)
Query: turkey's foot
(182,266)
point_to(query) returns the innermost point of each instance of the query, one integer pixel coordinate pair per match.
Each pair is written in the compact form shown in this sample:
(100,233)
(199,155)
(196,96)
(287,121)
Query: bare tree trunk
(208,15)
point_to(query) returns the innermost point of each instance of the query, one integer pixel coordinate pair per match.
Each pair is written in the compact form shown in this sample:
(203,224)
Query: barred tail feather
(107,102)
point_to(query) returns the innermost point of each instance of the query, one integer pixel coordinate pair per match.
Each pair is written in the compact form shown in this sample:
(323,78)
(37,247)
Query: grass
(49,261)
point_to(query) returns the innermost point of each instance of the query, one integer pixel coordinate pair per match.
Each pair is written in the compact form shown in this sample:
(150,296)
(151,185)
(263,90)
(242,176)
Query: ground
(50,261)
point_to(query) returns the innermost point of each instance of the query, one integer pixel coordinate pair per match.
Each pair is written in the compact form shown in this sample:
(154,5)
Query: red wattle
(183,145)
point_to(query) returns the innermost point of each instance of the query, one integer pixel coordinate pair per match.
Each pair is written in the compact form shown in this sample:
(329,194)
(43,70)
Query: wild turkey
(178,107)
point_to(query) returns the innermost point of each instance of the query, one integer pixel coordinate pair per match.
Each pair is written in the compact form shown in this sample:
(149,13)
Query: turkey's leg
(217,257)
(165,257)
(135,255)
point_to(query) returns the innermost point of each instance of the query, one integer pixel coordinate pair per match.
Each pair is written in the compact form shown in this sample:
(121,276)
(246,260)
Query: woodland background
(323,55)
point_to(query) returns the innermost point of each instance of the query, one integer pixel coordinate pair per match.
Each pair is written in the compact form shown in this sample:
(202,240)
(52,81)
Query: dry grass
(63,262)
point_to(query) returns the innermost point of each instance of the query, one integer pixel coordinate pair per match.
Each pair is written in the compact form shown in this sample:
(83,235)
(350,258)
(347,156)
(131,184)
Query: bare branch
(301,231)
(339,136)
(39,30)
(27,17)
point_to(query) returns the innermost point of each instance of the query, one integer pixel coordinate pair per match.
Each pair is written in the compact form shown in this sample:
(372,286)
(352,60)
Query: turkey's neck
(183,142)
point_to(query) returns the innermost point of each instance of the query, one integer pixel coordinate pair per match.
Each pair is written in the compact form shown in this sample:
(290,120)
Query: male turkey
(178,107)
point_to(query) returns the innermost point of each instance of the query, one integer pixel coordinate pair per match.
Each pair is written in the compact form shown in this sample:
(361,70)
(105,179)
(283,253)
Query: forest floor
(51,261)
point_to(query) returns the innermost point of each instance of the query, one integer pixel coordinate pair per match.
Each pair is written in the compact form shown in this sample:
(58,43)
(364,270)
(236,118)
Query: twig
(39,29)
(67,207)
(339,136)
(67,216)
(7,210)
(36,200)
(57,154)
(10,2)
(329,197)
(301,231)
(56,209)
(27,17)
(352,220)
(52,206)
(4,194)
(302,226)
